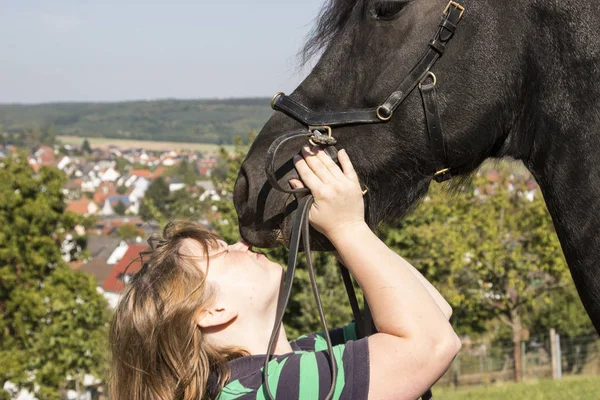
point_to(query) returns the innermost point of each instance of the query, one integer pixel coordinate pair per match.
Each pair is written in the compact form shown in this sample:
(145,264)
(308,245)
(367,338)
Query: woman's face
(245,281)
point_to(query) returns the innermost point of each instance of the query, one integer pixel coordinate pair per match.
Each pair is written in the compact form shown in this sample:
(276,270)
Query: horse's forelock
(333,17)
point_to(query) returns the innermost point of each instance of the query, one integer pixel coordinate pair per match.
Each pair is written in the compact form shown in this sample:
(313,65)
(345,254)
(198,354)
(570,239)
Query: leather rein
(319,133)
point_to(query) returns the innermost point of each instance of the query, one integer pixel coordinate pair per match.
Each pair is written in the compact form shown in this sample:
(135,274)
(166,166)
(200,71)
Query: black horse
(520,79)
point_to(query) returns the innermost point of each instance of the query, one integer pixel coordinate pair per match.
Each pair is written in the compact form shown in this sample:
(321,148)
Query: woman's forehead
(192,247)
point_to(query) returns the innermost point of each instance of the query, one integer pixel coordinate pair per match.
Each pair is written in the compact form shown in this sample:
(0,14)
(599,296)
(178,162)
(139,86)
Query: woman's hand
(338,200)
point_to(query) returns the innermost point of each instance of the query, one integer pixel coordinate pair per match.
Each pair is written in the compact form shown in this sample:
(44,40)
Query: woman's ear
(215,318)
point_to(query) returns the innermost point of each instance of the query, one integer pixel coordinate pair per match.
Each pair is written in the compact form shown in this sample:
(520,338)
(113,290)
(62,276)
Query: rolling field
(146,144)
(572,388)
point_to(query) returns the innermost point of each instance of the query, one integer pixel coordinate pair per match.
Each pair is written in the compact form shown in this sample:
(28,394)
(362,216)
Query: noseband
(319,133)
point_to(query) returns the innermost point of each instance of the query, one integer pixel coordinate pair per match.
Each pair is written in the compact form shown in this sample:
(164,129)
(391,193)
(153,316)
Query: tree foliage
(53,320)
(155,197)
(490,248)
(85,147)
(185,170)
(129,232)
(30,138)
(120,208)
(159,204)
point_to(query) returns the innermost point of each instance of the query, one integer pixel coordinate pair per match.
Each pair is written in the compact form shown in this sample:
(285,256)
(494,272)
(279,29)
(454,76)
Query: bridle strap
(358,315)
(274,176)
(384,112)
(434,129)
(300,229)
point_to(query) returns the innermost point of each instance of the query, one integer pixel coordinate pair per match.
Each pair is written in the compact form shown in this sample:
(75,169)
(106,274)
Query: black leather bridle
(319,133)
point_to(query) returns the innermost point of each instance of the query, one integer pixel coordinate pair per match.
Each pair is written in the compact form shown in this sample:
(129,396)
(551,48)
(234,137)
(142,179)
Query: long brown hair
(158,351)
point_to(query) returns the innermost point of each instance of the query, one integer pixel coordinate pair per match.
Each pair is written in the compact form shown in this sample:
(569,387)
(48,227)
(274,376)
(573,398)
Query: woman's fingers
(316,165)
(311,180)
(333,168)
(347,166)
(296,184)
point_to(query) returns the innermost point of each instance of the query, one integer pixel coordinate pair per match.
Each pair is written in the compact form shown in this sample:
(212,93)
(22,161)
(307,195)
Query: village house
(100,249)
(83,206)
(111,202)
(122,272)
(138,190)
(109,174)
(104,190)
(175,184)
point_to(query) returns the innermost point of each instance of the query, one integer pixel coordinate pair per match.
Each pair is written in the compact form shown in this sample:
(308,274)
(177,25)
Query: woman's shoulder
(305,373)
(317,341)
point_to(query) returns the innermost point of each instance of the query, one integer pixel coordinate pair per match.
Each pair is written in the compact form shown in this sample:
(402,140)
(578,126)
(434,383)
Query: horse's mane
(332,19)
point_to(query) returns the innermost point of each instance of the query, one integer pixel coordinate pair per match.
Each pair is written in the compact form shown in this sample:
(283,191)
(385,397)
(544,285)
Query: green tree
(149,212)
(53,320)
(122,164)
(491,248)
(85,147)
(120,208)
(129,231)
(227,226)
(157,196)
(185,170)
(48,135)
(183,204)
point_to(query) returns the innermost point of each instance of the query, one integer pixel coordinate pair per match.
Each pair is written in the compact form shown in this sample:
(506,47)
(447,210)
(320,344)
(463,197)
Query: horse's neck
(563,120)
(565,160)
(569,176)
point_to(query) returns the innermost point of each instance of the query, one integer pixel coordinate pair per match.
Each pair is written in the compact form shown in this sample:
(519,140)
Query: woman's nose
(240,246)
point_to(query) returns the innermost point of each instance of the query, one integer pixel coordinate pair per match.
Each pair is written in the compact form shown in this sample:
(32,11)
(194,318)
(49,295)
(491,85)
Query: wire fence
(482,364)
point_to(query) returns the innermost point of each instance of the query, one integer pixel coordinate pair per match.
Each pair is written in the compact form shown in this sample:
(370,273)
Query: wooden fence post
(553,352)
(523,360)
(558,358)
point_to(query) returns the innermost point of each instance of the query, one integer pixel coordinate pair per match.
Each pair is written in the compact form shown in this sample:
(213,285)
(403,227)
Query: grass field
(572,388)
(145,144)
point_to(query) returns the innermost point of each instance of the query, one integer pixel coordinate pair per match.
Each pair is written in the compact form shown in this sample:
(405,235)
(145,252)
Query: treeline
(202,121)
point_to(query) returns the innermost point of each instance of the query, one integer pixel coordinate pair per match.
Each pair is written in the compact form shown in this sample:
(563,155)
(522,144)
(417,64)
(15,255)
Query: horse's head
(369,47)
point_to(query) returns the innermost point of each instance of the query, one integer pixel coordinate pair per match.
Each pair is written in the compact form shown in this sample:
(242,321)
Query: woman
(196,320)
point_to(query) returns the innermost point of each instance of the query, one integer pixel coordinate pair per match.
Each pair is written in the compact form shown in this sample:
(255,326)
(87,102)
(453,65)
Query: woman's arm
(433,292)
(437,297)
(416,344)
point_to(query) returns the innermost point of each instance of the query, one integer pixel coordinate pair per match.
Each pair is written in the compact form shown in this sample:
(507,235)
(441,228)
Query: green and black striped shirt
(305,374)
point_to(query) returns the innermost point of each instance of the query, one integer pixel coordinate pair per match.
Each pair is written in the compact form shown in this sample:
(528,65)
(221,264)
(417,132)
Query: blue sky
(61,50)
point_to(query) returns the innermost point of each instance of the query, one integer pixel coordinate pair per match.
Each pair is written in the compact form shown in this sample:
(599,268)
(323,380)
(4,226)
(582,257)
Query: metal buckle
(429,74)
(455,5)
(318,139)
(442,175)
(275,98)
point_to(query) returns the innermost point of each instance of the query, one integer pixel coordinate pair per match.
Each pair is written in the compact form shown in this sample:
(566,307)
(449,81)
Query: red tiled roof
(78,206)
(159,171)
(100,195)
(146,173)
(113,282)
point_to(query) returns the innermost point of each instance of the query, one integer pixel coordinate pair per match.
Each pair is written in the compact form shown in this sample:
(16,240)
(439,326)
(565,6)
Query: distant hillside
(202,121)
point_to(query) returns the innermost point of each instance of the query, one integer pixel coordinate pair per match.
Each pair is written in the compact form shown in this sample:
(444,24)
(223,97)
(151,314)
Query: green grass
(580,387)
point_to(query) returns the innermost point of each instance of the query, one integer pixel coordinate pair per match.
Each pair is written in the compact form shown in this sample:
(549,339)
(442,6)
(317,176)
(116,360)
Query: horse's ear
(215,318)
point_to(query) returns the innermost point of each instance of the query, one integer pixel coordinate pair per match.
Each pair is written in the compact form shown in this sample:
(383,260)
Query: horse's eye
(388,10)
